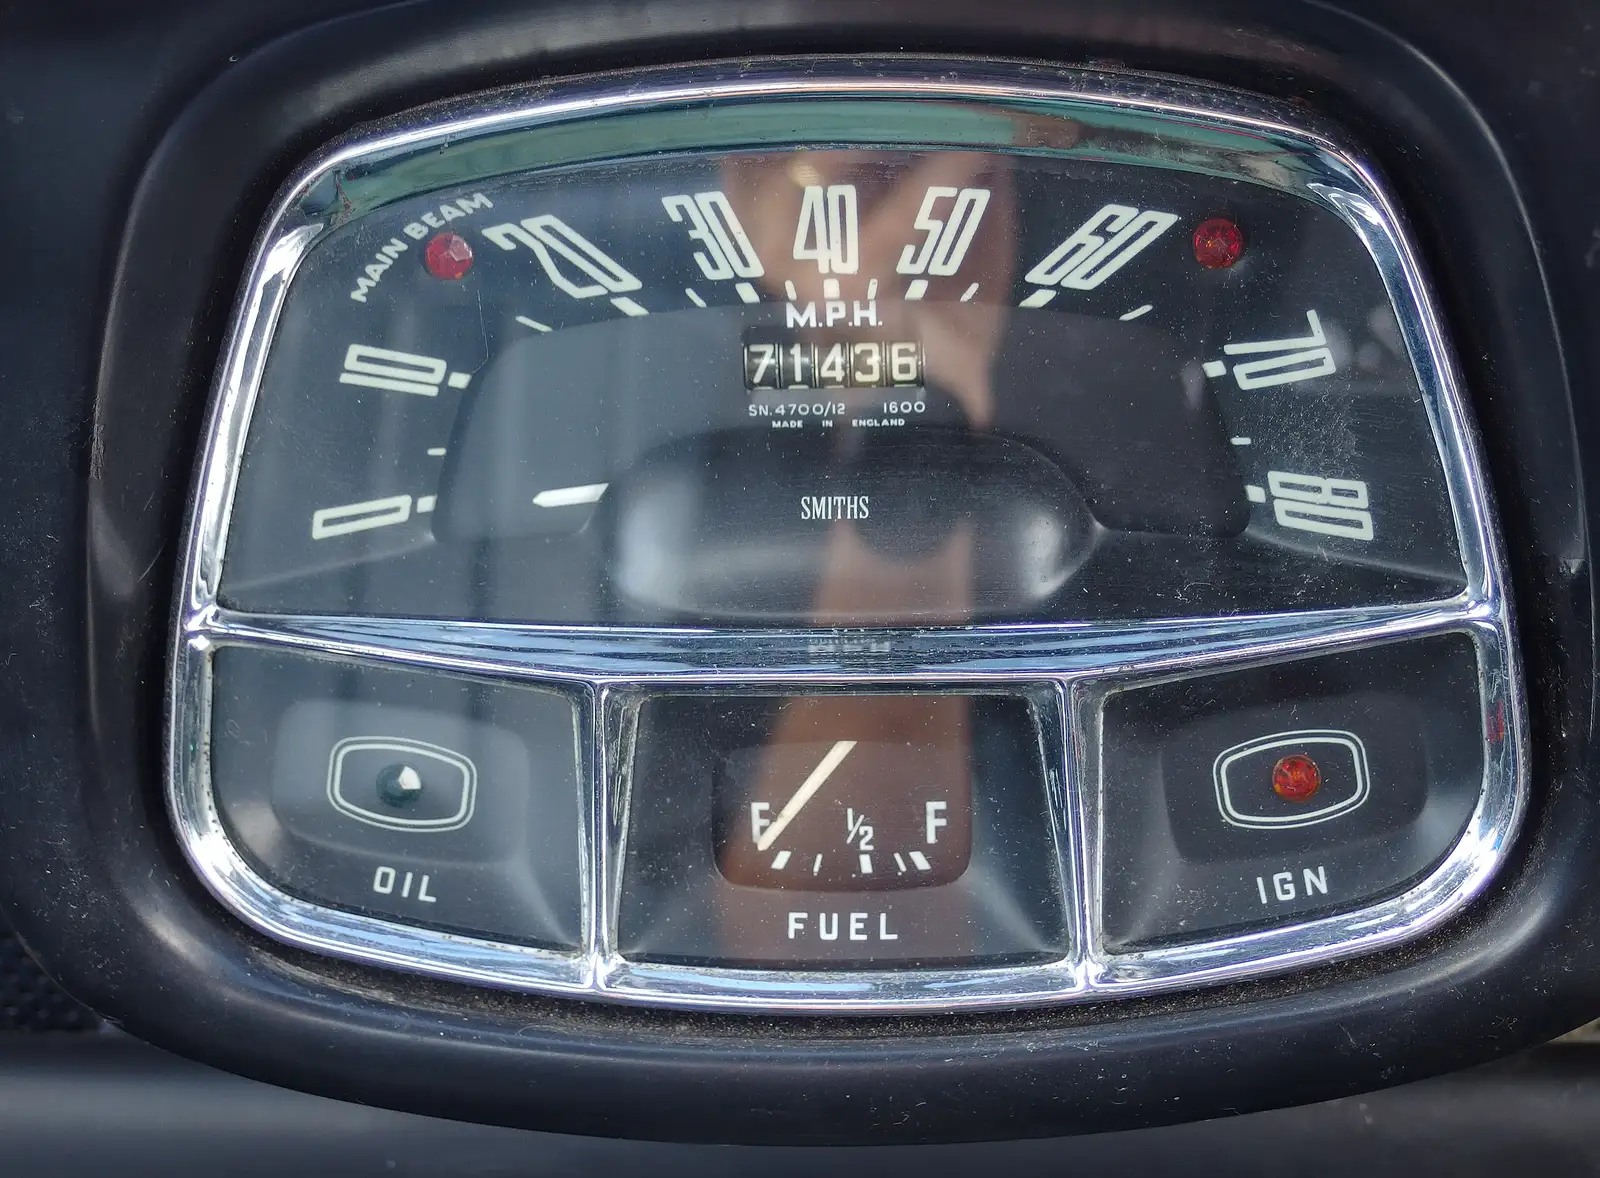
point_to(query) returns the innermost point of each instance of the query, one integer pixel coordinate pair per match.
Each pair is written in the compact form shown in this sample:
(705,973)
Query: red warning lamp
(448,256)
(1218,243)
(1296,777)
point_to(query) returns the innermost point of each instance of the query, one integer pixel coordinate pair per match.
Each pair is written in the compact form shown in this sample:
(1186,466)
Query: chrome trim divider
(1066,670)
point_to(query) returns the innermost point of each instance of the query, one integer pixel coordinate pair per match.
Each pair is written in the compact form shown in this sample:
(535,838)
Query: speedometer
(991,534)
(875,384)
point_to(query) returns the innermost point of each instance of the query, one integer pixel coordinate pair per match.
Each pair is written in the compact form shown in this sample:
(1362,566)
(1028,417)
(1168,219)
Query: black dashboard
(847,574)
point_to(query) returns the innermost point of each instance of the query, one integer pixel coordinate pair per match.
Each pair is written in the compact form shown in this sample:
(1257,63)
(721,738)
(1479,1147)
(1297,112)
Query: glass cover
(822,387)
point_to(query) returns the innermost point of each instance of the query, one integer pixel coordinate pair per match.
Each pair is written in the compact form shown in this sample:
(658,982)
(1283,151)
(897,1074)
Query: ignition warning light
(1218,243)
(1296,778)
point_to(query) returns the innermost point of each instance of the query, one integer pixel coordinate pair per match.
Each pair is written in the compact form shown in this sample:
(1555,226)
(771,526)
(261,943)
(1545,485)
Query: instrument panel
(862,540)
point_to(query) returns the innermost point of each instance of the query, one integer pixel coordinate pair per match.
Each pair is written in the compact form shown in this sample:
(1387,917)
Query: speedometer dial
(842,538)
(809,386)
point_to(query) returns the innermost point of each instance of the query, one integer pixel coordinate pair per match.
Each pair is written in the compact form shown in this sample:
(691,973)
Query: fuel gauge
(840,831)
(850,813)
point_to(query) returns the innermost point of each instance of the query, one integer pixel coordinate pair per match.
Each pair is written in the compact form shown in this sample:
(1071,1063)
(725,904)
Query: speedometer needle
(804,794)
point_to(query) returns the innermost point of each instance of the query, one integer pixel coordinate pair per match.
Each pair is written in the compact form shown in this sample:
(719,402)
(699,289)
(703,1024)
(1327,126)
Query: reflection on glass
(840,387)
(858,793)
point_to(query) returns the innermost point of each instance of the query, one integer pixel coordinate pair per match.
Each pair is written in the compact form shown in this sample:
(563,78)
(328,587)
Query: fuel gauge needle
(805,793)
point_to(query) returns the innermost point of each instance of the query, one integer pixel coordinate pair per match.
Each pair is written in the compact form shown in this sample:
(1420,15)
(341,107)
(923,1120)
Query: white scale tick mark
(570,496)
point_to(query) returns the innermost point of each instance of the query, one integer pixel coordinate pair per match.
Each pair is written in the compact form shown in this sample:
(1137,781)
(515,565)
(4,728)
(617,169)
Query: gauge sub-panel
(838,832)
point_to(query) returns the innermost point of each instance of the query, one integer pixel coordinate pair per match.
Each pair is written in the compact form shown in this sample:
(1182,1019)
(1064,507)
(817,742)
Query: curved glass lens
(835,387)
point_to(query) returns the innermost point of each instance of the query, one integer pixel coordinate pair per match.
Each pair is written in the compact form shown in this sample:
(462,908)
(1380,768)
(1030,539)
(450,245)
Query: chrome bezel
(1169,124)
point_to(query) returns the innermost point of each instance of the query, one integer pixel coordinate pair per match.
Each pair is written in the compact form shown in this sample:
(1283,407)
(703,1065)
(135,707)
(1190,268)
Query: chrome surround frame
(1066,670)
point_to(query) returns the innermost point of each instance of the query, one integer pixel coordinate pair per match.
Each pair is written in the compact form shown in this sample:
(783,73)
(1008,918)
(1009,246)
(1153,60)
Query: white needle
(819,775)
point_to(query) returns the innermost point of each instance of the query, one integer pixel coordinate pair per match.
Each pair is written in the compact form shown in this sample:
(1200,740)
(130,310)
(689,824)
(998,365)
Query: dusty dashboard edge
(157,958)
